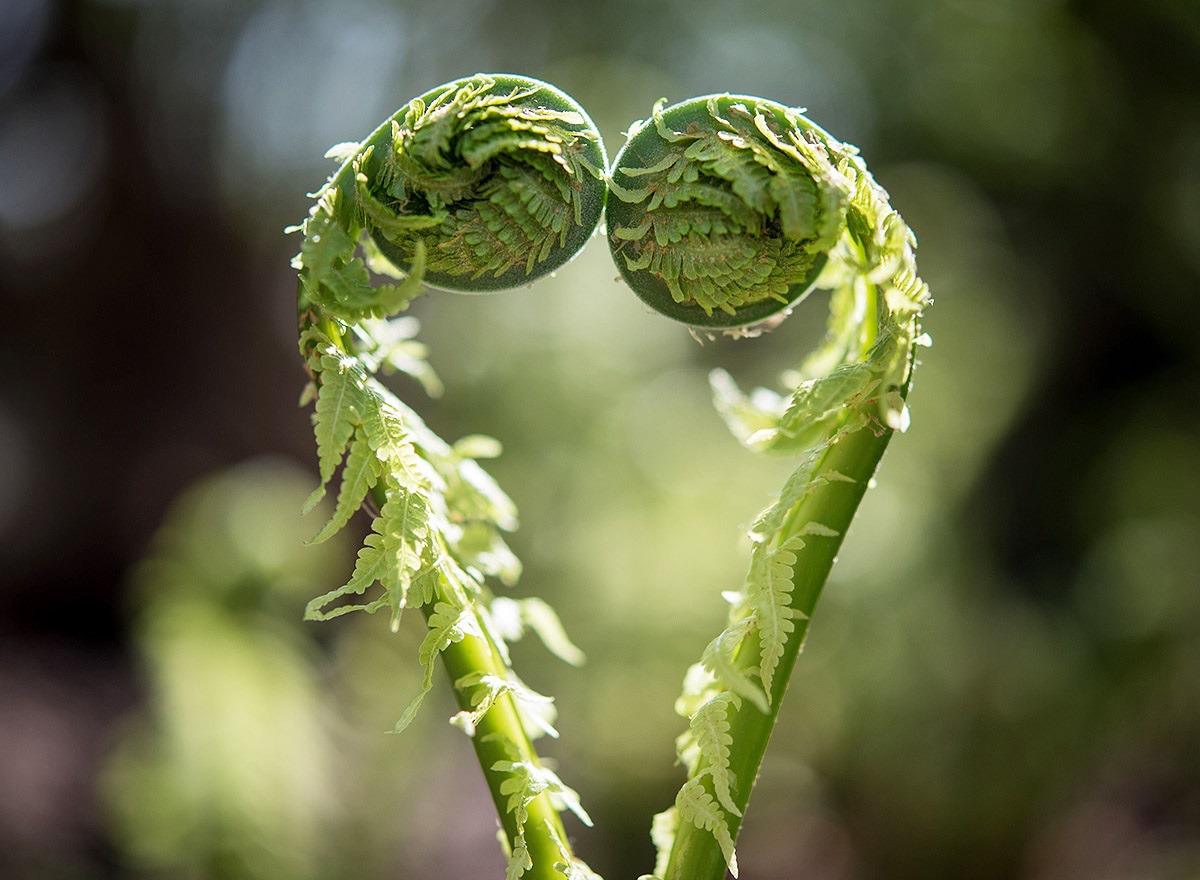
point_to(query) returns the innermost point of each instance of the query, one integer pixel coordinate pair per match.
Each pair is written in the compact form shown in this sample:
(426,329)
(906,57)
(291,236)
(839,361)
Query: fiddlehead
(726,210)
(479,184)
(500,178)
(717,217)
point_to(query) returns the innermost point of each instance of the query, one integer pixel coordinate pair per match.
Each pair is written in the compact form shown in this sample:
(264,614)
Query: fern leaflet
(488,688)
(527,781)
(447,625)
(662,835)
(696,805)
(710,728)
(840,403)
(719,656)
(360,475)
(339,402)
(769,593)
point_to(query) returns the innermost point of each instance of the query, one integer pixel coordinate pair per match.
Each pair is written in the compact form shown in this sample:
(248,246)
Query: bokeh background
(1003,680)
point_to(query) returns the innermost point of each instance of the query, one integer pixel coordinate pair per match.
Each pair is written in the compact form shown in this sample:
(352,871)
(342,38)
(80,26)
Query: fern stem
(695,854)
(497,734)
(501,736)
(481,184)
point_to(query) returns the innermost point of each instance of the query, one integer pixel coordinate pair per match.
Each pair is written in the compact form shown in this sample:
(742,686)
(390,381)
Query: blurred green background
(1004,678)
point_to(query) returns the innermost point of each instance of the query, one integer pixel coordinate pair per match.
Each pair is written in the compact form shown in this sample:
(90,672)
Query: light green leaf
(343,151)
(389,437)
(513,616)
(477,446)
(696,805)
(481,547)
(710,727)
(769,592)
(718,659)
(338,409)
(359,476)
(370,567)
(745,416)
(447,625)
(404,523)
(662,833)
(326,245)
(487,689)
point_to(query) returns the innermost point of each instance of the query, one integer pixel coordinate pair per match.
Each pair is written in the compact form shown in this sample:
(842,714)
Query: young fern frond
(717,218)
(726,211)
(480,184)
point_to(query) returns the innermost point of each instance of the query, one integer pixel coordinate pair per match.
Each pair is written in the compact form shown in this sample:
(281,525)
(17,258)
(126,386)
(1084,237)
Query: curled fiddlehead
(718,217)
(724,211)
(500,179)
(482,183)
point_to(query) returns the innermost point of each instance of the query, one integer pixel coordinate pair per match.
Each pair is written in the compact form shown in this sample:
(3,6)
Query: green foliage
(696,805)
(722,206)
(768,595)
(512,617)
(709,729)
(473,178)
(662,835)
(526,781)
(849,391)
(447,625)
(481,184)
(487,688)
(436,536)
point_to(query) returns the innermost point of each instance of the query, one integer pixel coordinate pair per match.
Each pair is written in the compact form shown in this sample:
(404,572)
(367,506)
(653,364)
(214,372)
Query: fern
(369,568)
(495,176)
(363,470)
(718,220)
(684,187)
(514,616)
(488,688)
(662,835)
(339,402)
(720,659)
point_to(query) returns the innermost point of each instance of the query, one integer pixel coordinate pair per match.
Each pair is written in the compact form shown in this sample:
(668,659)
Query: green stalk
(695,854)
(498,732)
(499,736)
